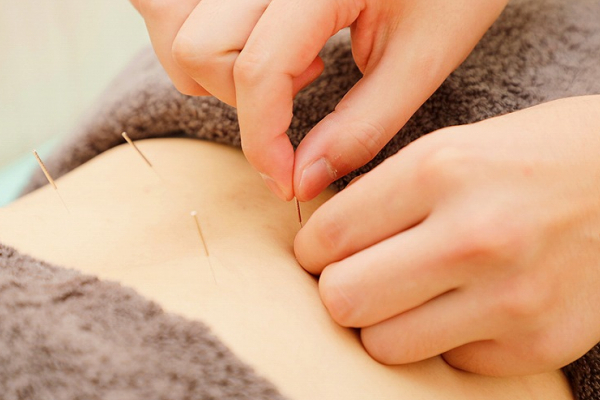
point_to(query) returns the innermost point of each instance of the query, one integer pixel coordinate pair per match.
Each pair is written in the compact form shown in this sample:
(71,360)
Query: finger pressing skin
(163,19)
(390,277)
(388,200)
(264,75)
(525,352)
(421,52)
(210,40)
(444,323)
(494,358)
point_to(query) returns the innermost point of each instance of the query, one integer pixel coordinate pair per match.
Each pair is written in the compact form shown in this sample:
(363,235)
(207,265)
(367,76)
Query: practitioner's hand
(479,242)
(257,54)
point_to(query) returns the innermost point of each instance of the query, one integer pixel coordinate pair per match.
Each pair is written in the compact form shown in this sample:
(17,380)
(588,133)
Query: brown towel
(538,50)
(67,336)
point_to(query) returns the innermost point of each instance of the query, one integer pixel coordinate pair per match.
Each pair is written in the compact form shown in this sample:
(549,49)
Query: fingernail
(271,184)
(316,177)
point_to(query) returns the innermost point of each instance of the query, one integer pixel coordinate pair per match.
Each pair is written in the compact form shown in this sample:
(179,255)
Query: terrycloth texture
(583,375)
(539,50)
(68,336)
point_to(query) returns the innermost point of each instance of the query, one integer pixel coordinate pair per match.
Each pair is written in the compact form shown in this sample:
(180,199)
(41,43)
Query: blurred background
(56,56)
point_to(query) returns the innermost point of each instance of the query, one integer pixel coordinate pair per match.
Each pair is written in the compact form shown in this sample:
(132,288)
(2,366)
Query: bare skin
(129,225)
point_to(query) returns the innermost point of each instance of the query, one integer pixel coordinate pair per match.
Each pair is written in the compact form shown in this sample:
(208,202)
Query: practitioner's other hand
(257,54)
(478,242)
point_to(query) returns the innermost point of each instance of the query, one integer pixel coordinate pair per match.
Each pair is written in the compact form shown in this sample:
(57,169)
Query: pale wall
(55,58)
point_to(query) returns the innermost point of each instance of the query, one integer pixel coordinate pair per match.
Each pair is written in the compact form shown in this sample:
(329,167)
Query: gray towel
(68,336)
(539,50)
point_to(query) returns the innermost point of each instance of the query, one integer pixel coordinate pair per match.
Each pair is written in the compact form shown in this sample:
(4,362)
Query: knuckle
(524,299)
(496,237)
(337,298)
(190,54)
(518,307)
(369,137)
(444,164)
(249,67)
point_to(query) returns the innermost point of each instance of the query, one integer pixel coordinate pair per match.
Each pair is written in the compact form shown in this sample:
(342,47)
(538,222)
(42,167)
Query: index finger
(163,20)
(282,46)
(389,200)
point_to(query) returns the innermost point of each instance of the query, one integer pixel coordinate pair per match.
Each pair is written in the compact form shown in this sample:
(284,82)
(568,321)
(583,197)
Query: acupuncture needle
(299,211)
(49,178)
(197,221)
(139,152)
(128,139)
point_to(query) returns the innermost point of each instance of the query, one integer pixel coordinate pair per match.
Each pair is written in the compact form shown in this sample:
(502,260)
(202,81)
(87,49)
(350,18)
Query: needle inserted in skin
(44,170)
(128,139)
(49,177)
(195,216)
(299,211)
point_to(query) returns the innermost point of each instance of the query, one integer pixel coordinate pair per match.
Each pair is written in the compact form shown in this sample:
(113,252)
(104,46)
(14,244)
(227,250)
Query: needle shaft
(128,139)
(299,212)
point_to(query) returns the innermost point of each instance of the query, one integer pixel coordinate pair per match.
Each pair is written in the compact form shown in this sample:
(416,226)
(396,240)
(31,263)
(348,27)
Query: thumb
(368,116)
(416,60)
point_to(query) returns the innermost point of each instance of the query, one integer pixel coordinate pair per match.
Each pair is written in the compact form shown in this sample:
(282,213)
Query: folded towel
(68,336)
(539,50)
